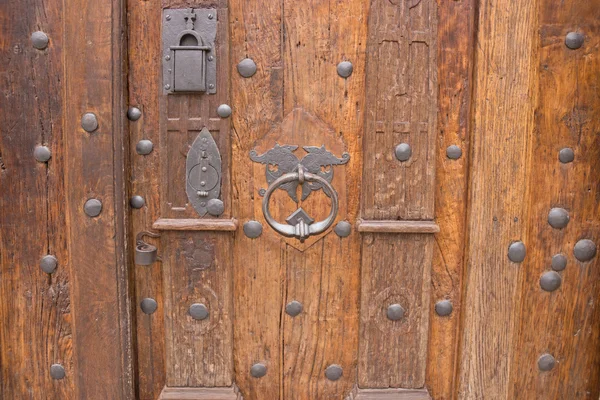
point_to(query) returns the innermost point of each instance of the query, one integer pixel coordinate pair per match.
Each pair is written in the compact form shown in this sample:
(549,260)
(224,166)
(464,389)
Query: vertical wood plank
(93,169)
(502,129)
(35,318)
(455,60)
(563,323)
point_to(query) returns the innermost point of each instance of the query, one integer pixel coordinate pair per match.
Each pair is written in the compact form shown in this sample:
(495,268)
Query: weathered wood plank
(230,393)
(504,82)
(564,322)
(93,169)
(166,224)
(454,61)
(391,394)
(381,226)
(35,317)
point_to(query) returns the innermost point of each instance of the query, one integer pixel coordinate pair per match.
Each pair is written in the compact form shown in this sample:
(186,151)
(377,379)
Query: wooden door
(307,199)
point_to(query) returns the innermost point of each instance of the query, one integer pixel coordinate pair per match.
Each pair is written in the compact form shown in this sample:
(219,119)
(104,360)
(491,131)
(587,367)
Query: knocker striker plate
(313,172)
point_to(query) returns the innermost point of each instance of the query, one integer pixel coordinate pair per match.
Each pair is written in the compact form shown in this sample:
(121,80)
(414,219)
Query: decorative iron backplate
(318,161)
(203,172)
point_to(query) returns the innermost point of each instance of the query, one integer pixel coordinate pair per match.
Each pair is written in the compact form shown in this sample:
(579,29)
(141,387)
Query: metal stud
(403,152)
(558,218)
(546,362)
(584,250)
(148,305)
(137,202)
(443,308)
(559,262)
(293,308)
(134,113)
(566,155)
(453,152)
(246,67)
(198,311)
(39,40)
(57,371)
(517,252)
(344,69)
(92,207)
(334,372)
(550,281)
(258,370)
(343,229)
(574,40)
(215,207)
(224,111)
(253,229)
(42,154)
(144,147)
(48,264)
(395,312)
(89,122)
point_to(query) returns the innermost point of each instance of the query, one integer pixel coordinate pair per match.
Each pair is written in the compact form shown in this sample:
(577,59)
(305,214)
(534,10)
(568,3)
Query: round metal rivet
(558,218)
(210,16)
(333,372)
(148,305)
(453,152)
(211,86)
(48,264)
(134,113)
(42,153)
(92,207)
(443,308)
(57,371)
(584,250)
(344,69)
(210,58)
(566,155)
(403,152)
(167,57)
(168,17)
(89,122)
(343,229)
(137,202)
(198,311)
(253,229)
(395,312)
(517,252)
(144,147)
(215,207)
(246,67)
(293,308)
(574,40)
(550,281)
(559,262)
(258,370)
(39,40)
(546,362)
(224,111)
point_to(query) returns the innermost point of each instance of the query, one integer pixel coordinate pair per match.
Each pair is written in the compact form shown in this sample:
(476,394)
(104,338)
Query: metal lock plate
(189,57)
(203,175)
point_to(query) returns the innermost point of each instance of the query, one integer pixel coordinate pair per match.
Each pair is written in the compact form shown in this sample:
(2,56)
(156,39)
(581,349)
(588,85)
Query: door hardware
(203,175)
(189,63)
(145,253)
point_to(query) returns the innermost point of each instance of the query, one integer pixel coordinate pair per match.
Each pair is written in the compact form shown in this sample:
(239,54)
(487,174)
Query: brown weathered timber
(390,394)
(378,226)
(504,82)
(455,60)
(35,315)
(401,97)
(165,224)
(200,394)
(565,322)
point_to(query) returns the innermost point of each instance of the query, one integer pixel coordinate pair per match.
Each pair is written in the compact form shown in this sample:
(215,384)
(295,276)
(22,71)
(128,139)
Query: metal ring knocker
(301,230)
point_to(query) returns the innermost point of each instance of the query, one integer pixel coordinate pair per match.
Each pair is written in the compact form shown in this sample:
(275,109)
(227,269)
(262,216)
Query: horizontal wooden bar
(224,393)
(390,226)
(167,224)
(392,394)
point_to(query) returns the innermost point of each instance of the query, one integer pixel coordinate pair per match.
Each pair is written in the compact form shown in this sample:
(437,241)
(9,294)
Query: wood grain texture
(565,322)
(456,25)
(35,314)
(200,394)
(504,98)
(381,226)
(93,164)
(175,224)
(396,270)
(390,394)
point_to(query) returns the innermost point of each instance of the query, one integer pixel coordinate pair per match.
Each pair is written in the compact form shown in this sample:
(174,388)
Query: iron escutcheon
(395,312)
(48,264)
(42,154)
(148,305)
(343,229)
(559,262)
(334,372)
(574,40)
(258,370)
(344,69)
(144,147)
(546,362)
(558,218)
(203,175)
(253,229)
(517,252)
(566,155)
(134,113)
(453,152)
(39,40)
(137,202)
(443,308)
(550,281)
(403,152)
(57,371)
(92,207)
(293,308)
(198,311)
(89,122)
(584,250)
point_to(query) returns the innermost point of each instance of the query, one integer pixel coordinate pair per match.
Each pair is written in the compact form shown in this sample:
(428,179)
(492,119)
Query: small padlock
(145,253)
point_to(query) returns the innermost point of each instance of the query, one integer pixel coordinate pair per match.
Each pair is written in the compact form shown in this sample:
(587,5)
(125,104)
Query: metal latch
(145,253)
(189,63)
